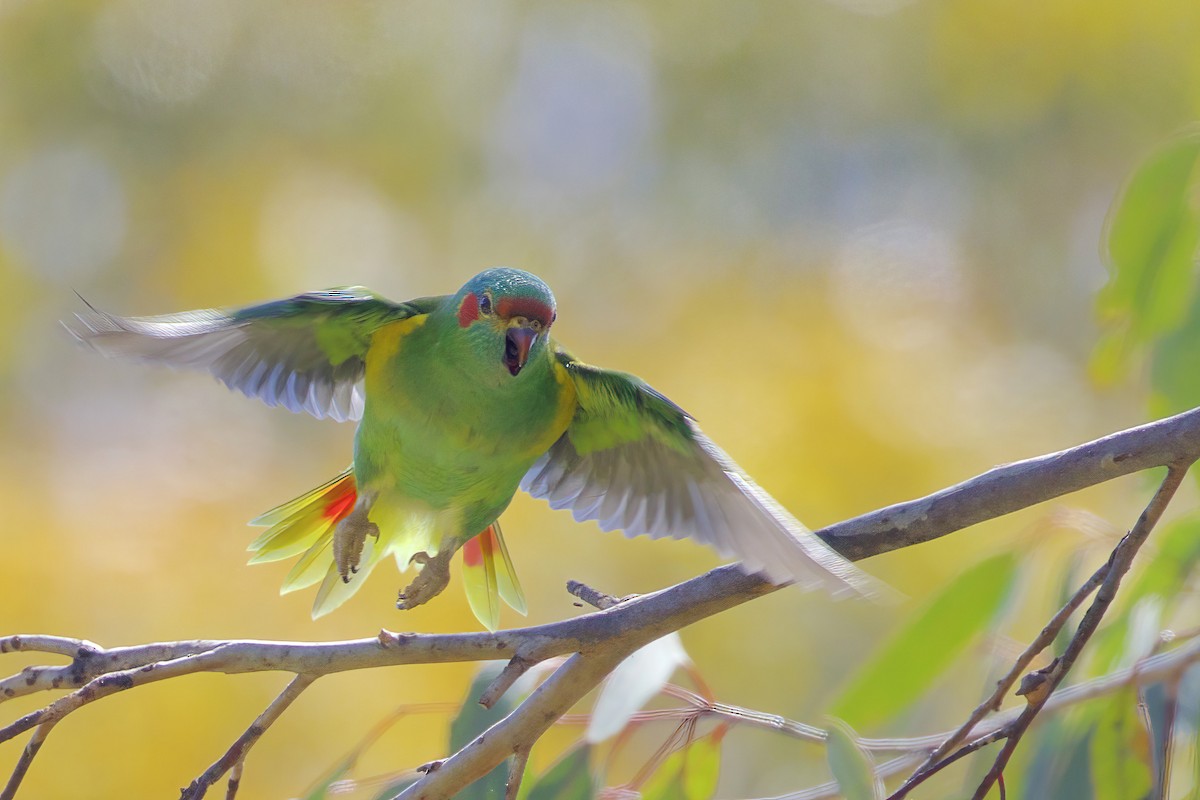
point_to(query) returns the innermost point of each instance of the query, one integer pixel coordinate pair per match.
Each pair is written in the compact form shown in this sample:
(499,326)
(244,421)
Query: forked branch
(597,641)
(1043,682)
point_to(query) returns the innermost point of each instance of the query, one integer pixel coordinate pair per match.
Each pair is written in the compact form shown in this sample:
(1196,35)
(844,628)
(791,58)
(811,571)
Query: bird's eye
(485,305)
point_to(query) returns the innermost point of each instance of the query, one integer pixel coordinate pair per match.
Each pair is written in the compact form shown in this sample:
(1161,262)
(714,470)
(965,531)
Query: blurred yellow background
(858,239)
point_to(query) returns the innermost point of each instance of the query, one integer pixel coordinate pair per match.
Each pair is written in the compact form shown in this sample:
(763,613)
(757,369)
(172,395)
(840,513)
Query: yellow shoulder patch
(567,397)
(385,344)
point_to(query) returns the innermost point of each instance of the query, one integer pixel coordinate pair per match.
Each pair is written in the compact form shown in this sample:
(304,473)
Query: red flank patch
(340,505)
(472,552)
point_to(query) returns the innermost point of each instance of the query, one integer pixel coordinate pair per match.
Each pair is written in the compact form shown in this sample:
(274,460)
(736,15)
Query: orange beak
(517,342)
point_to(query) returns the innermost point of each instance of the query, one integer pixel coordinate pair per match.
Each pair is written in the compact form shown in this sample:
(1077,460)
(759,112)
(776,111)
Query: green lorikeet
(461,400)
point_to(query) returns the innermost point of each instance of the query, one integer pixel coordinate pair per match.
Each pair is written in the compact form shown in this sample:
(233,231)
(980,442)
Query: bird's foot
(348,539)
(430,581)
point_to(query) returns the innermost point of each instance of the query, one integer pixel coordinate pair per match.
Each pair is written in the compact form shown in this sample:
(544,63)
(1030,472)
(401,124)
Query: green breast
(440,428)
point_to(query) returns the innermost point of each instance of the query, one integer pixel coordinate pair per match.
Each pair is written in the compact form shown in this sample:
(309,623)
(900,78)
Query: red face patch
(527,307)
(468,311)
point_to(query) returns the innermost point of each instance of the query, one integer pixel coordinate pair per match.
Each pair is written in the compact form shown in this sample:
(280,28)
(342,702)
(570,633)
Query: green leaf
(1130,637)
(1061,761)
(1153,231)
(1109,357)
(666,782)
(1177,550)
(701,768)
(472,720)
(1119,770)
(852,767)
(569,779)
(911,660)
(1174,379)
(689,773)
(1075,779)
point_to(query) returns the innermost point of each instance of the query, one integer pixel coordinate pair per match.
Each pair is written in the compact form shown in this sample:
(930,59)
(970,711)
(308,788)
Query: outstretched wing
(632,459)
(305,353)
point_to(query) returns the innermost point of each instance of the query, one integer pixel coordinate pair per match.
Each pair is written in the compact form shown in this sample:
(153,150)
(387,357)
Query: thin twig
(517,666)
(1158,668)
(88,661)
(27,755)
(1154,669)
(1119,563)
(935,761)
(1107,578)
(516,772)
(104,686)
(236,753)
(924,773)
(524,726)
(593,597)
(60,645)
(235,780)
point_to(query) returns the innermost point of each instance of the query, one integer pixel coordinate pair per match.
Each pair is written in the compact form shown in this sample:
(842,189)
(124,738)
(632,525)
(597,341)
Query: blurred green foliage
(472,720)
(1150,302)
(858,239)
(569,779)
(689,773)
(852,768)
(905,666)
(1117,750)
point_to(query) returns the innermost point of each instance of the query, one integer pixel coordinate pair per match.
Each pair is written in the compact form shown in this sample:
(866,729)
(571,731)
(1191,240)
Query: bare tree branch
(1162,667)
(1039,686)
(516,773)
(1118,564)
(523,727)
(934,762)
(599,640)
(1011,487)
(235,780)
(27,755)
(235,756)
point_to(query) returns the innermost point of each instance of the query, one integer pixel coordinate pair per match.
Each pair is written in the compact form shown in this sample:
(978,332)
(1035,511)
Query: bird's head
(507,313)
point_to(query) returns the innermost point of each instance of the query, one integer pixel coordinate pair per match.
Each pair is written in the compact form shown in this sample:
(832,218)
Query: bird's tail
(304,527)
(489,581)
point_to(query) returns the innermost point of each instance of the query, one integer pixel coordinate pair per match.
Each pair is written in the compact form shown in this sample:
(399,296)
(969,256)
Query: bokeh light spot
(899,284)
(581,107)
(326,228)
(164,52)
(62,212)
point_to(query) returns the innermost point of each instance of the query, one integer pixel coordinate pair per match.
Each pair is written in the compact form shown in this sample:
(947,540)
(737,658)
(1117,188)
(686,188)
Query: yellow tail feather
(486,581)
(305,527)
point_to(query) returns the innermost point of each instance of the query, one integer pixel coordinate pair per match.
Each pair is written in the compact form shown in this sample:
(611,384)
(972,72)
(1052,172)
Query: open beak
(517,342)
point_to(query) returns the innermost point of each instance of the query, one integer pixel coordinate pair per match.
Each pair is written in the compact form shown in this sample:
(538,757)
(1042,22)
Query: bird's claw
(348,539)
(429,582)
